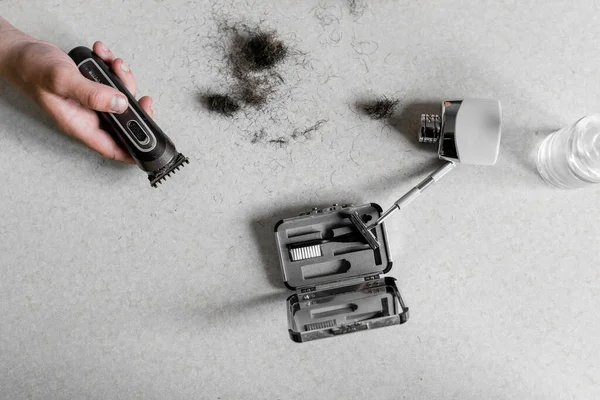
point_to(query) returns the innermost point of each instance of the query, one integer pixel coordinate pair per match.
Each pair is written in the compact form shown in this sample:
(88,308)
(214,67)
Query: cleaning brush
(312,248)
(365,230)
(306,252)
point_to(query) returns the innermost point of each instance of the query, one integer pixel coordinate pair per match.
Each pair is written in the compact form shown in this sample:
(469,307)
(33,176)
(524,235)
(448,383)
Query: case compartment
(336,275)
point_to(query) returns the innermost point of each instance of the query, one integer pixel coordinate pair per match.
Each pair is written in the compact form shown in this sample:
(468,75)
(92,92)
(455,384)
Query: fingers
(82,124)
(104,144)
(93,95)
(103,52)
(64,82)
(118,66)
(146,103)
(47,67)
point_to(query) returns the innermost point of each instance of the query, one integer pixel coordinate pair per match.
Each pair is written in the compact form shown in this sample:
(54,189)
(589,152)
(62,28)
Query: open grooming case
(336,275)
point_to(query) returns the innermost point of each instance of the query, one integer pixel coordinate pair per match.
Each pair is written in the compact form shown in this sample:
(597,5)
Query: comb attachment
(320,325)
(158,176)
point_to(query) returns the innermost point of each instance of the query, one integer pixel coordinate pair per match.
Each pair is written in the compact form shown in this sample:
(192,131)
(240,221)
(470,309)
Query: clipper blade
(157,176)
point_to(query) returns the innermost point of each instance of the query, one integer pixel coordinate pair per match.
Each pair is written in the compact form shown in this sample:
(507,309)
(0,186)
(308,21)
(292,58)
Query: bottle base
(554,170)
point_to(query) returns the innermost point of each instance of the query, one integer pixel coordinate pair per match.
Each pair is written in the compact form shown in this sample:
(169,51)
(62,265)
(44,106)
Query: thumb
(95,95)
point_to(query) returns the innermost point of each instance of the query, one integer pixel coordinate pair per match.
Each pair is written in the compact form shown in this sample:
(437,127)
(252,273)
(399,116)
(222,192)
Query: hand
(47,74)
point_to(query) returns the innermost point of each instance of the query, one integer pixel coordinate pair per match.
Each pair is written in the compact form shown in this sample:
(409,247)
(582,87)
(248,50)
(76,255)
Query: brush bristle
(304,253)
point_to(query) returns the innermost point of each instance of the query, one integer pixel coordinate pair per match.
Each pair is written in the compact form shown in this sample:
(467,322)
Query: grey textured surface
(112,290)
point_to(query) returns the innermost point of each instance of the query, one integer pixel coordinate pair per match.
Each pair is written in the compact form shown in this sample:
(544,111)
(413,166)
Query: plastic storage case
(336,276)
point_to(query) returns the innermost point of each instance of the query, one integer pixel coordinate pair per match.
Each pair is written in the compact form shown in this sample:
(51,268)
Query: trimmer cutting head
(158,176)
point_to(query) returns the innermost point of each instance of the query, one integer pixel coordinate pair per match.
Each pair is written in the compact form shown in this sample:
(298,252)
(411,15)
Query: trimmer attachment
(133,129)
(158,176)
(320,325)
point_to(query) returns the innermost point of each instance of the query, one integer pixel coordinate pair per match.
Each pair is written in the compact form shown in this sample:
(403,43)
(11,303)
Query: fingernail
(118,103)
(104,48)
(125,67)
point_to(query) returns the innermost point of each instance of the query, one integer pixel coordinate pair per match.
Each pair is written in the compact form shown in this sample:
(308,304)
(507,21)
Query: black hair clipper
(151,149)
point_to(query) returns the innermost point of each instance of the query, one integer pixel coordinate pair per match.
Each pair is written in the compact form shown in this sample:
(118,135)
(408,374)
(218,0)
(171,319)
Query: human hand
(47,74)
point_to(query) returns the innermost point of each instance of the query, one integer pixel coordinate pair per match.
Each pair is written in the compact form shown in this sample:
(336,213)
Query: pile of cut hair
(251,58)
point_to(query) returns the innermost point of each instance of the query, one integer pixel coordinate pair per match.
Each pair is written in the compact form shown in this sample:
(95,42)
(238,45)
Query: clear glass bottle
(570,157)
